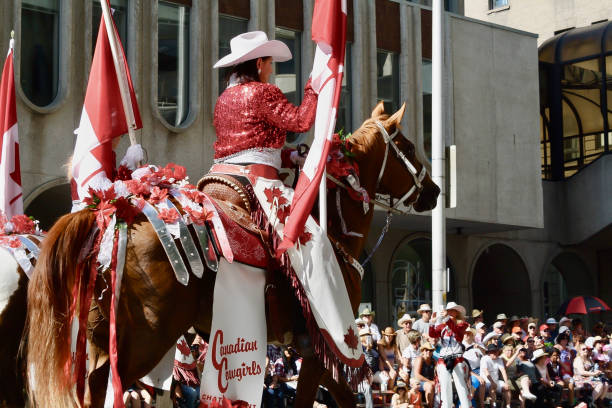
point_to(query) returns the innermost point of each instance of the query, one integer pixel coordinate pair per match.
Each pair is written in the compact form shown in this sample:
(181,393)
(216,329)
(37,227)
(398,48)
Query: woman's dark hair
(289,363)
(244,72)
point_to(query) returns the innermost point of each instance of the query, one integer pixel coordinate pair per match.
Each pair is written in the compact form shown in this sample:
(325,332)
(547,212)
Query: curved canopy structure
(575,99)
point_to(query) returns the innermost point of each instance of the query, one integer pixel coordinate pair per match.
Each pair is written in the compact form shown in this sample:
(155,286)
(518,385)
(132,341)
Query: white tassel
(133,157)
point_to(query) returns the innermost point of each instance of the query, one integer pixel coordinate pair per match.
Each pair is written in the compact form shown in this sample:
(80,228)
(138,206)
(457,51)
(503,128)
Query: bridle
(417,176)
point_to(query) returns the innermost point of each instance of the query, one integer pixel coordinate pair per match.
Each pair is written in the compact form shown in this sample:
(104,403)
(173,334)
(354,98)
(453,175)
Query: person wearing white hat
(422,324)
(449,328)
(367,316)
(401,339)
(552,326)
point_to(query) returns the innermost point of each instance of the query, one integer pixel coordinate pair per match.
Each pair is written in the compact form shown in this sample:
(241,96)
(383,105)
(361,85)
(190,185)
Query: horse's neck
(352,211)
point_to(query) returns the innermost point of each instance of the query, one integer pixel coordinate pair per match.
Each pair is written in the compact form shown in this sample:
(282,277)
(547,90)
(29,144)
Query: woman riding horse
(251,119)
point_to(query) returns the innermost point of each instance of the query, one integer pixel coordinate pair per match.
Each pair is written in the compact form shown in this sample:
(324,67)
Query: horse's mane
(364,138)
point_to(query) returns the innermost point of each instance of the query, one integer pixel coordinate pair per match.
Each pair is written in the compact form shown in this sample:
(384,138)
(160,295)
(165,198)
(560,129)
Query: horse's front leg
(340,390)
(308,382)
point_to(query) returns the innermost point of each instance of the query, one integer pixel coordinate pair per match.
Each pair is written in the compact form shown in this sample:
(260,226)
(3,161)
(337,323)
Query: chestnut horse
(155,309)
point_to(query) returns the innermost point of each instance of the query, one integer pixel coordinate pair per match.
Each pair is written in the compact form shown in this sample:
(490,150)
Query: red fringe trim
(225,403)
(353,375)
(184,373)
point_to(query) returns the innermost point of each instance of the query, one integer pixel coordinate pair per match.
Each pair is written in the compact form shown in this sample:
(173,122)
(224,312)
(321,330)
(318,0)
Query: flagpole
(121,74)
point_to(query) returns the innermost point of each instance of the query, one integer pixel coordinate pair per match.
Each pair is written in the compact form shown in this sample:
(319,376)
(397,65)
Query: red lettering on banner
(224,372)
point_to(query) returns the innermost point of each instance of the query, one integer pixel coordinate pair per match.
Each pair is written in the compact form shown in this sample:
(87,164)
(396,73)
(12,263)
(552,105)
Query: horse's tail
(49,302)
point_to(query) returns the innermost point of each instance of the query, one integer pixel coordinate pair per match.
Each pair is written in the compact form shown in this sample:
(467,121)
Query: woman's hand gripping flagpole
(329,33)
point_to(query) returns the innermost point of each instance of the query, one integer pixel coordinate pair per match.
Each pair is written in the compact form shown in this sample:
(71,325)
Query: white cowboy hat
(458,308)
(366,312)
(424,308)
(537,354)
(251,45)
(551,320)
(501,316)
(406,317)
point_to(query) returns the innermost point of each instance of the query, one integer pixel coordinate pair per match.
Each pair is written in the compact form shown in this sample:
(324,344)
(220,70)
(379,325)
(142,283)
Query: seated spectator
(185,372)
(598,330)
(400,398)
(504,321)
(578,328)
(414,395)
(513,322)
(138,395)
(477,317)
(517,333)
(526,372)
(507,339)
(532,330)
(367,316)
(472,354)
(372,359)
(552,325)
(413,350)
(422,325)
(585,373)
(495,335)
(490,368)
(424,371)
(555,370)
(481,330)
(545,389)
(389,357)
(545,334)
(401,336)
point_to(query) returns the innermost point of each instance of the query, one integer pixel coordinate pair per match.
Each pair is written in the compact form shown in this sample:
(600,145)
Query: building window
(119,10)
(426,92)
(387,74)
(173,61)
(40,50)
(288,74)
(494,4)
(411,277)
(229,27)
(344,121)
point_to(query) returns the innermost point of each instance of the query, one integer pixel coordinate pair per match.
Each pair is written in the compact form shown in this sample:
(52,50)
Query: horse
(155,309)
(13,305)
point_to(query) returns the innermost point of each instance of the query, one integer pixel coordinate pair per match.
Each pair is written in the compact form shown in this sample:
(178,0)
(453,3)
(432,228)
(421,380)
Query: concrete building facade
(501,248)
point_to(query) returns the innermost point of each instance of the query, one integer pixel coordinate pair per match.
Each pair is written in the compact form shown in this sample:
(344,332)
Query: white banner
(235,363)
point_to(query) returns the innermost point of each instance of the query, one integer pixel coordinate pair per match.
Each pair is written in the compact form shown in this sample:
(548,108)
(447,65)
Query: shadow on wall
(500,283)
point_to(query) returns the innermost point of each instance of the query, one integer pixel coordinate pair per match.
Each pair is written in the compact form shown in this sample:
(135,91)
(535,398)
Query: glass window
(40,50)
(426,90)
(229,27)
(493,4)
(387,74)
(173,62)
(119,10)
(288,74)
(411,277)
(344,121)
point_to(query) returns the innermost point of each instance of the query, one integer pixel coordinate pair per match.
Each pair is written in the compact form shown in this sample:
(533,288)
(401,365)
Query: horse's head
(393,165)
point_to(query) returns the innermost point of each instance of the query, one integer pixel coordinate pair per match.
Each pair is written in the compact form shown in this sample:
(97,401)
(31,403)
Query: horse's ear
(378,110)
(396,118)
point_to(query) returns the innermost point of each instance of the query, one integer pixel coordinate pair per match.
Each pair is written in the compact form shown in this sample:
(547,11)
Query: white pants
(446,385)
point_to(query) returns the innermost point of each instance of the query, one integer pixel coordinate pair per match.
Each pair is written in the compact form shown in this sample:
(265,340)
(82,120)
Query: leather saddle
(234,202)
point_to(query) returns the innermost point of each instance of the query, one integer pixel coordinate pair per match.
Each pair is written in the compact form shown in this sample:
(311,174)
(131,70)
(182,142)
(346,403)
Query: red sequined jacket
(256,115)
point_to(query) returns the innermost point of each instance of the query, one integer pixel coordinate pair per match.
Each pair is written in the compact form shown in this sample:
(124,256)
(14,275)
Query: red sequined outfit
(257,115)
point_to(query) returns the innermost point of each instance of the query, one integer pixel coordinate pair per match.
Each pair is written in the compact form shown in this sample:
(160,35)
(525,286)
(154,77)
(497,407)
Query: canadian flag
(11,197)
(103,118)
(329,33)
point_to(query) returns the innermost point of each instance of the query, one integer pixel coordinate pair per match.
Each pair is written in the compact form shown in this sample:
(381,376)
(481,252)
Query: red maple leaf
(123,173)
(305,237)
(158,195)
(351,339)
(275,192)
(169,215)
(183,347)
(282,213)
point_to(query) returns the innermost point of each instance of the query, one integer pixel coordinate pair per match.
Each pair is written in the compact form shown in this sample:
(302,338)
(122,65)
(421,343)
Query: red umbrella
(583,305)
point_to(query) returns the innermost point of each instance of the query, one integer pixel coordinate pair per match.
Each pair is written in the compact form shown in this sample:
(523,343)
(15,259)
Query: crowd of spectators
(518,361)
